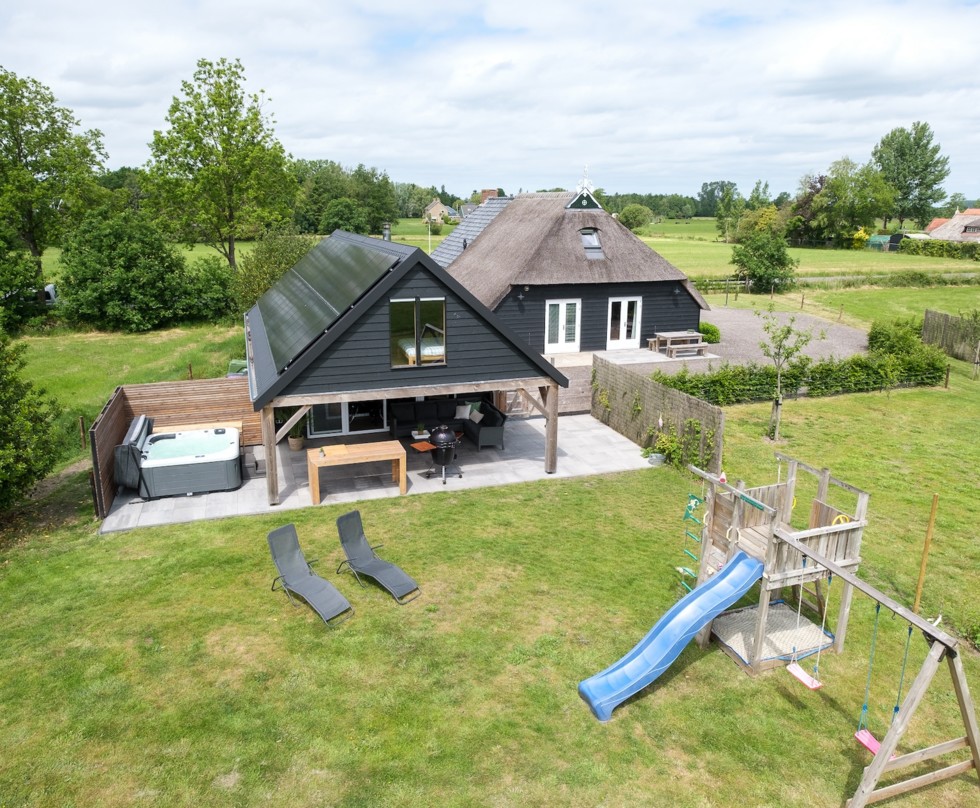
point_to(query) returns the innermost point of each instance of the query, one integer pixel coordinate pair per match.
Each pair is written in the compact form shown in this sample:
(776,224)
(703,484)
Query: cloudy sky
(523,94)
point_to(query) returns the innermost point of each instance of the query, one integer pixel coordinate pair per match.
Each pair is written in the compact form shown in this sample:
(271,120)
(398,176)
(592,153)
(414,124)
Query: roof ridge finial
(585,184)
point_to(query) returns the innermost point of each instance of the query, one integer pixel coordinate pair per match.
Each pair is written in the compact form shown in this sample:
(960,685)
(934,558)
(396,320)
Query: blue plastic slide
(655,652)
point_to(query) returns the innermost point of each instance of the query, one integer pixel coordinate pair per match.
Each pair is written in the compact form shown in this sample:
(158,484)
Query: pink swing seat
(803,676)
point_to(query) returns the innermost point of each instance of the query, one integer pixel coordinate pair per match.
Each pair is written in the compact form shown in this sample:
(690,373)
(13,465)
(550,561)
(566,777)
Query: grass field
(155,667)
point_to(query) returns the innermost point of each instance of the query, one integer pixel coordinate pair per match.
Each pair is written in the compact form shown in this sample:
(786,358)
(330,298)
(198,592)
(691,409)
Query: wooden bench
(688,349)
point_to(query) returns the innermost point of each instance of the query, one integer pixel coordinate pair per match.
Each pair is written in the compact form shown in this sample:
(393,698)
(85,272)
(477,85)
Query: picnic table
(674,342)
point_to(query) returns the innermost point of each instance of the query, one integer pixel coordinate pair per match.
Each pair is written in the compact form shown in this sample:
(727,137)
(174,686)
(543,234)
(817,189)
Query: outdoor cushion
(462,412)
(446,408)
(476,416)
(426,412)
(403,411)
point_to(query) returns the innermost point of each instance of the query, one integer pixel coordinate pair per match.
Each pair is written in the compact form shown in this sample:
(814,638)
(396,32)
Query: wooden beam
(908,615)
(551,430)
(411,391)
(966,708)
(889,743)
(293,420)
(271,454)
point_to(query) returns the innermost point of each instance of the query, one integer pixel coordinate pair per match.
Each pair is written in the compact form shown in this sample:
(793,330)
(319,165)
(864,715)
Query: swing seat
(868,741)
(806,678)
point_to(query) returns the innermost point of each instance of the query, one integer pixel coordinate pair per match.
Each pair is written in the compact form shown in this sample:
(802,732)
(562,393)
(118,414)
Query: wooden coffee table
(347,454)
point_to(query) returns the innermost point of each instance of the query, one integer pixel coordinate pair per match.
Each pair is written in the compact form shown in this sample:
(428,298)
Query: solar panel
(312,295)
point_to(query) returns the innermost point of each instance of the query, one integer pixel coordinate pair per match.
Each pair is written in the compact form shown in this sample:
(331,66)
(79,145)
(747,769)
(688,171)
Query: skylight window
(590,241)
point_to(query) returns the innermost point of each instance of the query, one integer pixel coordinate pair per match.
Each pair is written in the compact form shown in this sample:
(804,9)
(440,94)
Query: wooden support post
(866,792)
(925,554)
(789,494)
(962,690)
(271,454)
(551,432)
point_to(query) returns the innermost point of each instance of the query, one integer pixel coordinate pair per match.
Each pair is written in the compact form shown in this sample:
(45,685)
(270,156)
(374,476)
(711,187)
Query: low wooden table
(346,454)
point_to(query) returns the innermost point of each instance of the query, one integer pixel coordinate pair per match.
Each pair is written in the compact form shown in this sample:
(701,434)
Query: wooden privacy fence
(640,408)
(959,337)
(168,404)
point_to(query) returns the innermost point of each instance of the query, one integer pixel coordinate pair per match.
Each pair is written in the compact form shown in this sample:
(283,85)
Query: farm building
(566,275)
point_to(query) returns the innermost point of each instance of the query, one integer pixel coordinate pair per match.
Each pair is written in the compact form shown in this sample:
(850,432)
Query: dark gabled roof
(467,230)
(536,240)
(325,293)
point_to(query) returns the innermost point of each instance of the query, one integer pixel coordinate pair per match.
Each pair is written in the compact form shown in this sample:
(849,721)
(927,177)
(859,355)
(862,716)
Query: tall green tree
(47,166)
(219,173)
(710,195)
(759,198)
(636,216)
(731,204)
(763,259)
(912,164)
(852,197)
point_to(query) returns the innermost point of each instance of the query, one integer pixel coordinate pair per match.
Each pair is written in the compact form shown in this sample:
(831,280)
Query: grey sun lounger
(296,577)
(362,560)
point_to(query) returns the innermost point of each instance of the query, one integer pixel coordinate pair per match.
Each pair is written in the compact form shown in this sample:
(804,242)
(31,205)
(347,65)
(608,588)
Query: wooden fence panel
(957,336)
(168,404)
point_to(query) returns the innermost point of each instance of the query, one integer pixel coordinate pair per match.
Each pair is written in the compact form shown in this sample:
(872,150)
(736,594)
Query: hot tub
(192,462)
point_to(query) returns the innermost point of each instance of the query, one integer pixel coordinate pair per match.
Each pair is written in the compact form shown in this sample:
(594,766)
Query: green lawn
(156,668)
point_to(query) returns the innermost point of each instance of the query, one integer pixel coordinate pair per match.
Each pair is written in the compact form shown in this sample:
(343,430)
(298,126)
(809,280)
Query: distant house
(435,211)
(566,275)
(963,226)
(360,322)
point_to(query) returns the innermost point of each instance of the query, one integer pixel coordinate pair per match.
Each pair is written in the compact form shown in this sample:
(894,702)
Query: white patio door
(624,323)
(561,330)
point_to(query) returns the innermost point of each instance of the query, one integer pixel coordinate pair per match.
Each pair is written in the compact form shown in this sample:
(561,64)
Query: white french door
(563,320)
(624,323)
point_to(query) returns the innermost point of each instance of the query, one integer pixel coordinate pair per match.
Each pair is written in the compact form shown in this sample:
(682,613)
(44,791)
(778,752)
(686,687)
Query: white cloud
(653,97)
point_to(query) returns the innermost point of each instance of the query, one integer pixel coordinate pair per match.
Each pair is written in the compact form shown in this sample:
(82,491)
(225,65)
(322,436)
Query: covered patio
(587,447)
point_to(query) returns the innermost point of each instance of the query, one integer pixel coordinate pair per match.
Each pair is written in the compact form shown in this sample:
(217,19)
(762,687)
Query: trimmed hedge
(940,249)
(894,360)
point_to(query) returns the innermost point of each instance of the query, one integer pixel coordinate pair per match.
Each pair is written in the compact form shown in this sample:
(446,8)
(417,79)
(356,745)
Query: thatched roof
(955,228)
(536,241)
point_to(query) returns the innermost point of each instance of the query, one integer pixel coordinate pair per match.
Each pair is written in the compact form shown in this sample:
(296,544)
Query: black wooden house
(566,275)
(359,322)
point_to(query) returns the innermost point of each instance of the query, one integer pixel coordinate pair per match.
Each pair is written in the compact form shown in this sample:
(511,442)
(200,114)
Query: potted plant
(297,435)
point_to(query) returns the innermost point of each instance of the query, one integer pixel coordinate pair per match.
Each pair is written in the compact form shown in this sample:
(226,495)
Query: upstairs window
(590,242)
(418,331)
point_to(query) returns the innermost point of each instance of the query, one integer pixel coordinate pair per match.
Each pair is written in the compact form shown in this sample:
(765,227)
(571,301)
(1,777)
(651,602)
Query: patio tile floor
(585,446)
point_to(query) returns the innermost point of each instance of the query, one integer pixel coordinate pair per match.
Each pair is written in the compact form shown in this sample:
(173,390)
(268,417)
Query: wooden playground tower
(758,522)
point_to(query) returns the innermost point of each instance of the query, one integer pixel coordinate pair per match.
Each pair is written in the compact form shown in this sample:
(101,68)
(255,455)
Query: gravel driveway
(741,333)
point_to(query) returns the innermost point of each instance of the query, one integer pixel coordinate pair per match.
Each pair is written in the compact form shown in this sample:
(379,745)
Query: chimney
(386,231)
(487,193)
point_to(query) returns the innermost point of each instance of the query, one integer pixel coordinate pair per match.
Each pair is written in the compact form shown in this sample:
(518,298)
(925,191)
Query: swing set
(942,647)
(757,522)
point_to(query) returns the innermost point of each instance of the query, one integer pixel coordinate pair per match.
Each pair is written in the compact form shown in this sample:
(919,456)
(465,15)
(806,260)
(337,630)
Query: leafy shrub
(208,290)
(710,332)
(121,274)
(273,254)
(18,288)
(28,437)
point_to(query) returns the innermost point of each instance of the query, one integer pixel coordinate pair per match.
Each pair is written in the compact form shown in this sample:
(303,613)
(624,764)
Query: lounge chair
(296,577)
(362,560)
